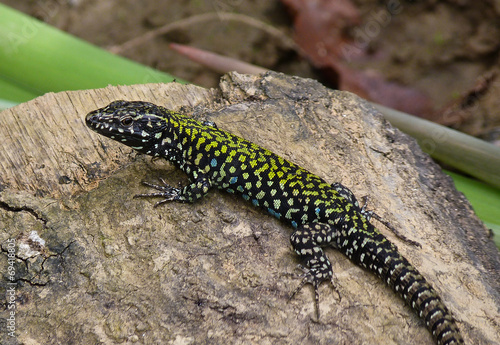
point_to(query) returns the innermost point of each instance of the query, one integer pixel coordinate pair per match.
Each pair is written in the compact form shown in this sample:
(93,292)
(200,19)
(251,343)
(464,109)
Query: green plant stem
(39,58)
(464,152)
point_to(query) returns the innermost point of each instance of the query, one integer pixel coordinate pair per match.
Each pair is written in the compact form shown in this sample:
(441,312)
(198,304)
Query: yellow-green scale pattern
(323,214)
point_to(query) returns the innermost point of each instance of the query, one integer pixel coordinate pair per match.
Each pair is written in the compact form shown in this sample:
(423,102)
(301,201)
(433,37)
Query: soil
(443,48)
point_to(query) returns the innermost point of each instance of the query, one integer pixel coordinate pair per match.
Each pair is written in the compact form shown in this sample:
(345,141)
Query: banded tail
(405,280)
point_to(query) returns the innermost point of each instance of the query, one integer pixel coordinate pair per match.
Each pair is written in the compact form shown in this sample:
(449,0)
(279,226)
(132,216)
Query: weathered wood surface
(116,270)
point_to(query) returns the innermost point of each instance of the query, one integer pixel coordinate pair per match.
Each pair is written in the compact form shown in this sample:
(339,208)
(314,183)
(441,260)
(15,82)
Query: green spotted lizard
(322,214)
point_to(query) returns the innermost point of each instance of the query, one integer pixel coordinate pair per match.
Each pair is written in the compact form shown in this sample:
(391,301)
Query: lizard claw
(312,276)
(167,192)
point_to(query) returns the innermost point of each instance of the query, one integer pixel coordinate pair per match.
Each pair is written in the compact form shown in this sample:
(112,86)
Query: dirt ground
(446,49)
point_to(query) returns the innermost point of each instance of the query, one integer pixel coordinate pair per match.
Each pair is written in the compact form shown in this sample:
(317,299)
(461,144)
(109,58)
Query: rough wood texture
(115,270)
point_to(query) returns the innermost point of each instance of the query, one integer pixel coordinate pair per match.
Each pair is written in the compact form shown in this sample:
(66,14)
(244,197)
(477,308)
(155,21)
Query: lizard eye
(126,121)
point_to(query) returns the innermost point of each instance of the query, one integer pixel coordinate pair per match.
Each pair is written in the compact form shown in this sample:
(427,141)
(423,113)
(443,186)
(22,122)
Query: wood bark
(110,269)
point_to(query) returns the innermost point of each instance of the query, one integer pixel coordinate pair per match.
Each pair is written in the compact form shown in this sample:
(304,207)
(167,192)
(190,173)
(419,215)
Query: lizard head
(135,124)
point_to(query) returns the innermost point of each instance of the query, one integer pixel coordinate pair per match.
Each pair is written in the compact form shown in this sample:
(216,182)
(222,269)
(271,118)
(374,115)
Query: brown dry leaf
(322,31)
(320,27)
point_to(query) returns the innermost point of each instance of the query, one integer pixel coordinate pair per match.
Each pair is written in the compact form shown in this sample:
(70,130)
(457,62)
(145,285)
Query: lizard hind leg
(307,241)
(349,196)
(371,214)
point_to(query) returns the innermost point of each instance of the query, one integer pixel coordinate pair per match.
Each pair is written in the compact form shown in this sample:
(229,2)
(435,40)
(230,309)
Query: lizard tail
(382,257)
(405,280)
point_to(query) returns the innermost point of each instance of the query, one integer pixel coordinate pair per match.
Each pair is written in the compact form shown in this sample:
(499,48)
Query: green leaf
(13,92)
(484,199)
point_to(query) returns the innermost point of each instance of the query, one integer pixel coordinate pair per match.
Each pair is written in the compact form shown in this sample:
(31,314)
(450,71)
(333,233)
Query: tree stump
(92,265)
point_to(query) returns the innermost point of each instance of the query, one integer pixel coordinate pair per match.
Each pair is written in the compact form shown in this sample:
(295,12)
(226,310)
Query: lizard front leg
(190,193)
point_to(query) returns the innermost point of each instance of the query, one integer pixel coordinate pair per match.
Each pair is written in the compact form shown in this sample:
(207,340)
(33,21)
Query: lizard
(322,214)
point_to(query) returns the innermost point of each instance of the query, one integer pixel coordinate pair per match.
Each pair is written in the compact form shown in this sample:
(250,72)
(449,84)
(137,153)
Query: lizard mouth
(98,122)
